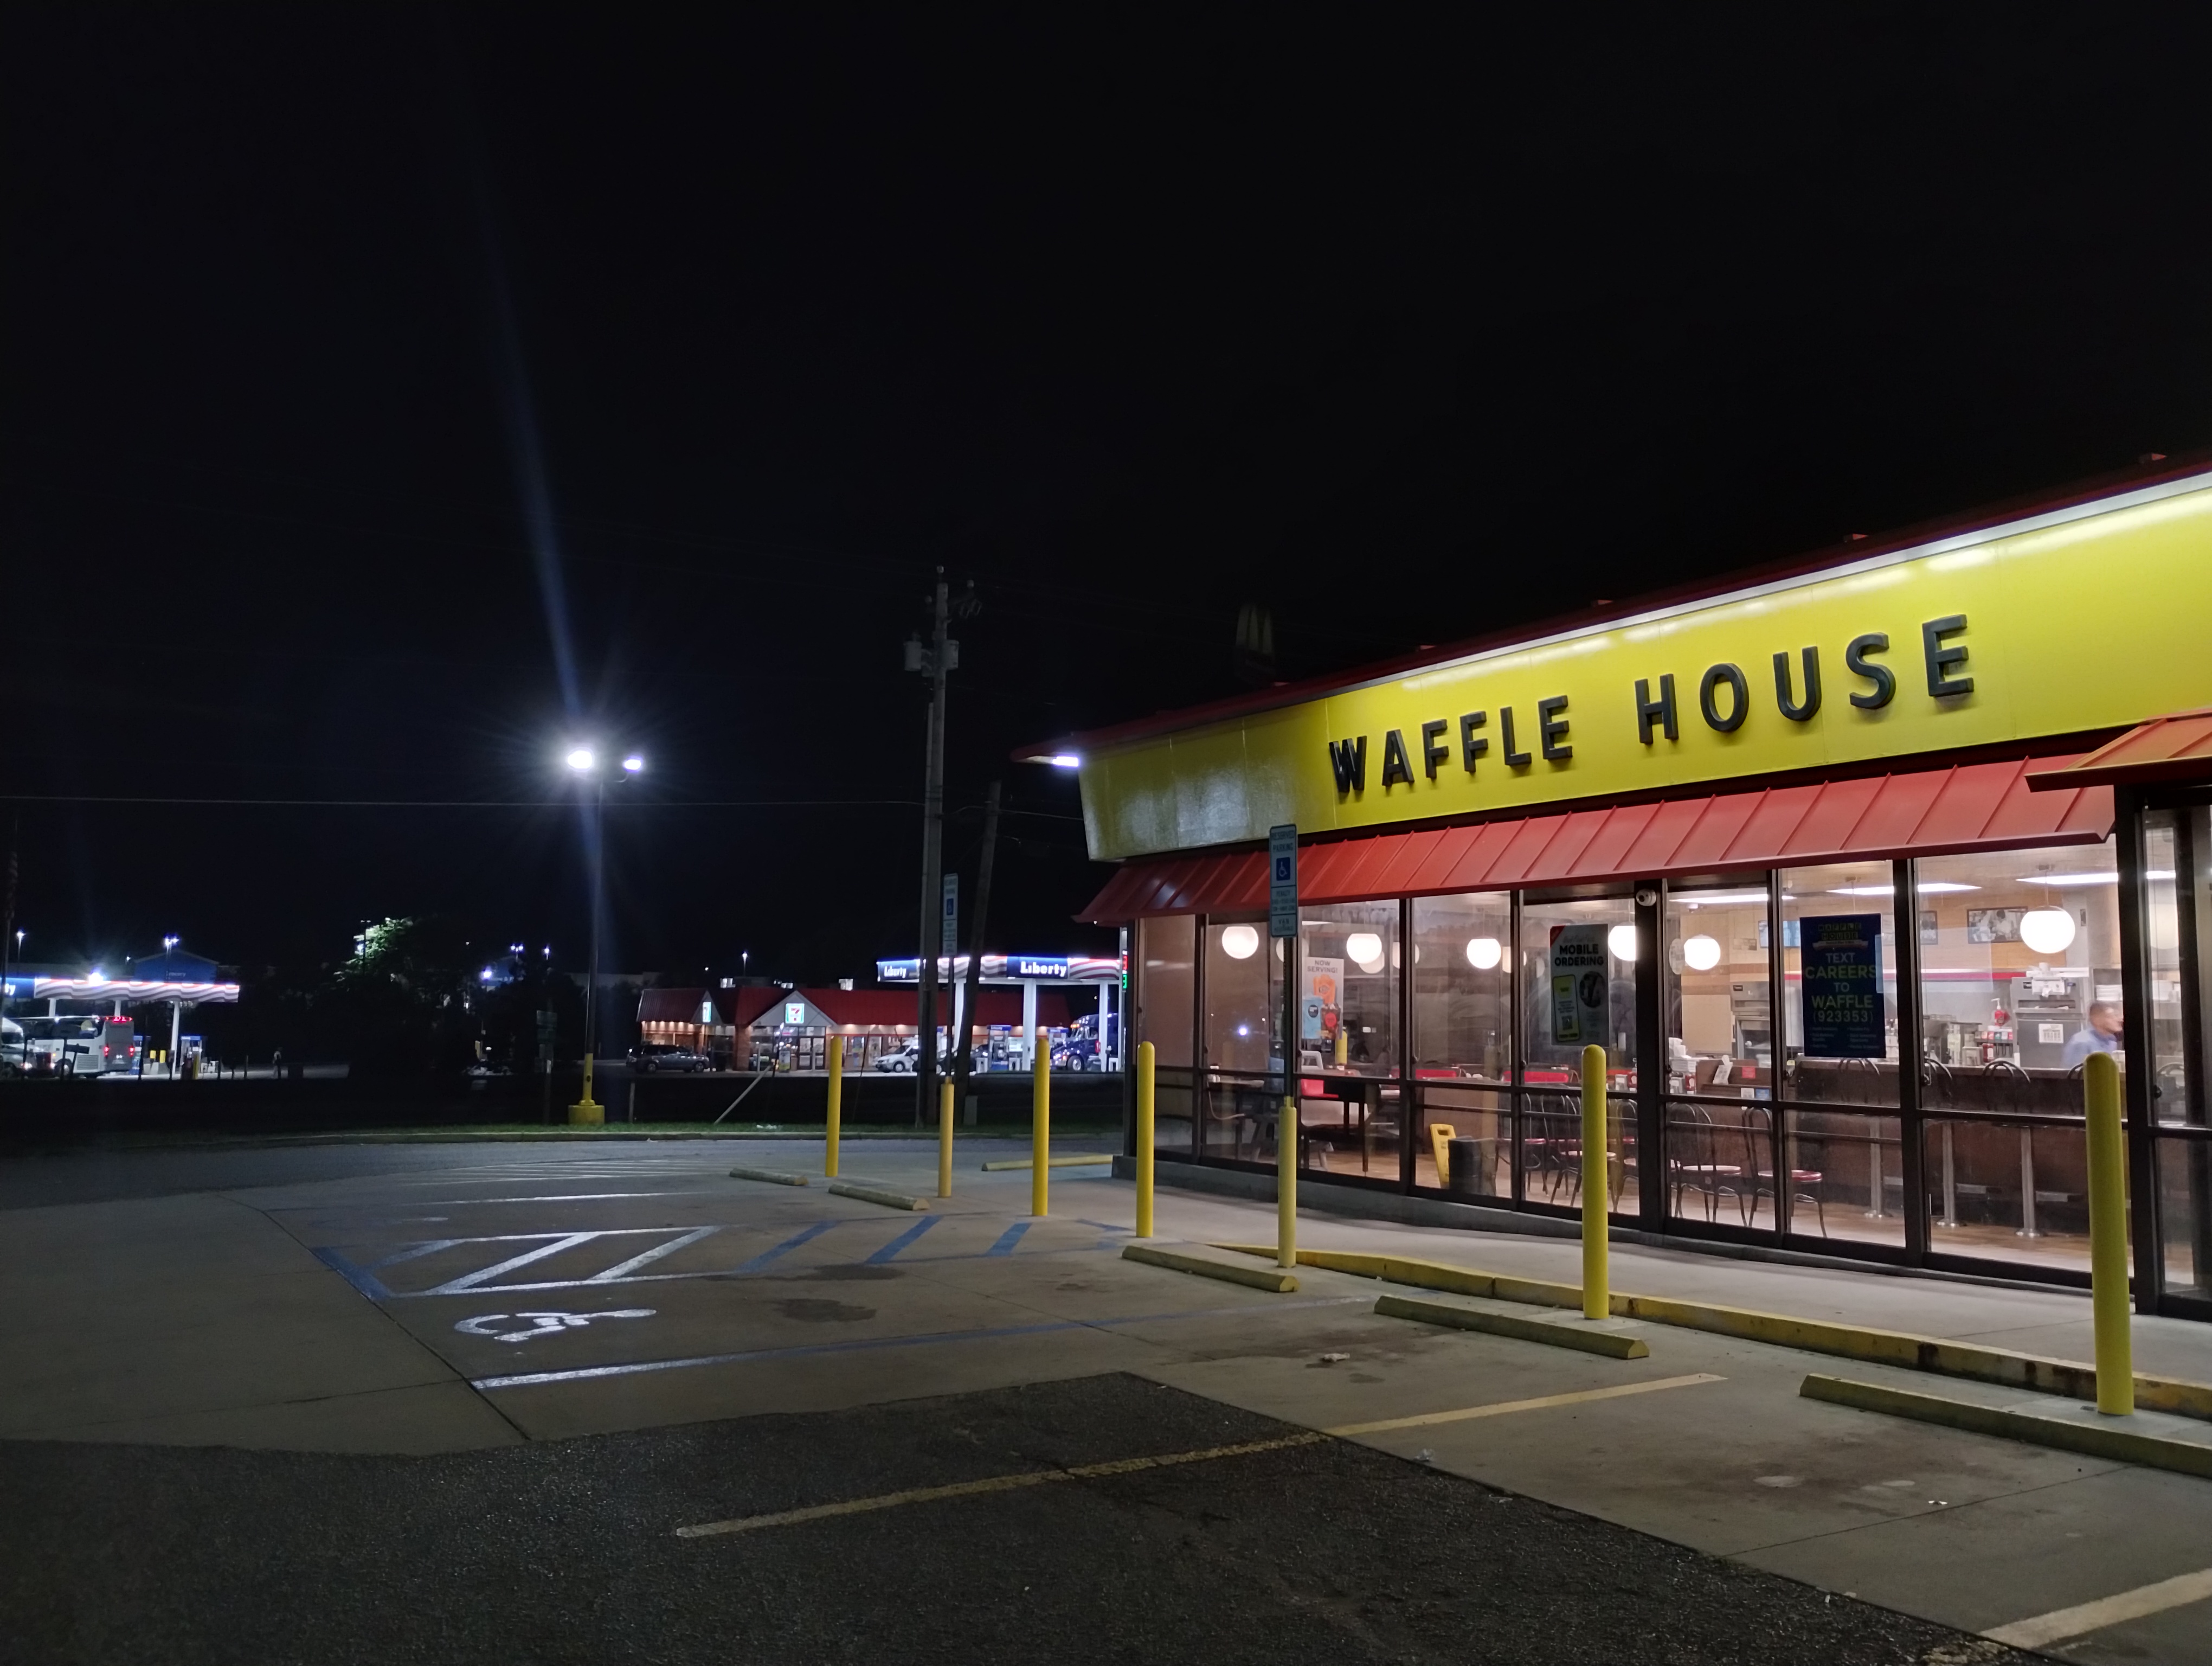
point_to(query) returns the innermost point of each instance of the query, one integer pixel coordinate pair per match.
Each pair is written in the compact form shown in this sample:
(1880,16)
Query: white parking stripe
(2087,1617)
(470,1280)
(623,1267)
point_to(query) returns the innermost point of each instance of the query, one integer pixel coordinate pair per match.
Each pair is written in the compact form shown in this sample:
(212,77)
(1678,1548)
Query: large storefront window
(1841,1053)
(1791,1066)
(1166,982)
(2163,832)
(1577,987)
(1349,963)
(1164,990)
(2177,948)
(1239,1027)
(1720,1055)
(2019,982)
(1463,1043)
(1242,985)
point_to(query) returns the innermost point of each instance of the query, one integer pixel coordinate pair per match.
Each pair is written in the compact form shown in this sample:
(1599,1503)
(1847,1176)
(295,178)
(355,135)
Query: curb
(2121,1445)
(870,1195)
(995,1165)
(774,1176)
(1999,1367)
(1554,1333)
(1273,1280)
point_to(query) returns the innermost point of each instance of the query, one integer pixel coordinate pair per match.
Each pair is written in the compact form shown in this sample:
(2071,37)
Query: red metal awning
(1969,807)
(2166,749)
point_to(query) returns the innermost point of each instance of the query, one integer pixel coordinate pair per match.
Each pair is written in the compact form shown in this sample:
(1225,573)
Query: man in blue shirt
(2101,1034)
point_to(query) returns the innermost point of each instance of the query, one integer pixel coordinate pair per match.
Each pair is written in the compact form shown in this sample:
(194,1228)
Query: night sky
(392,396)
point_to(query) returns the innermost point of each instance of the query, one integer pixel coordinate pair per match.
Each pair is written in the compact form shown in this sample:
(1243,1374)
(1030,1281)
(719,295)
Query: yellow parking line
(994,1484)
(1503,1407)
(2079,1621)
(1130,1466)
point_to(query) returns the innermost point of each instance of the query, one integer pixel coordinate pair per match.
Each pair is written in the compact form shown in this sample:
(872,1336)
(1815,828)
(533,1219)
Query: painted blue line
(360,1278)
(1008,1239)
(1035,1254)
(889,1250)
(676,1278)
(778,1251)
(532,1378)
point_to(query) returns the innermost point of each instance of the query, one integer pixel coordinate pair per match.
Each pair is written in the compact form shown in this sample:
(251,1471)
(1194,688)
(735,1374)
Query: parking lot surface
(467,1395)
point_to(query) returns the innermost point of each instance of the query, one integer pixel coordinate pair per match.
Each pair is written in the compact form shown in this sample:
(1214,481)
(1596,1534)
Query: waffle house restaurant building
(1848,867)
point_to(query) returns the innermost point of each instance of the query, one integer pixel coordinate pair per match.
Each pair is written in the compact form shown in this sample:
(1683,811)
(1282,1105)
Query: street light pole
(585,761)
(599,910)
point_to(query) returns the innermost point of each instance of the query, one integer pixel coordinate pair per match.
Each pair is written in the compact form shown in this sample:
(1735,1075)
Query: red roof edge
(2174,748)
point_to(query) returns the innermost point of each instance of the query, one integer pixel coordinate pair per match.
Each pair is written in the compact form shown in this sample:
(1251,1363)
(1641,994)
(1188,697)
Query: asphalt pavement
(569,1552)
(456,1402)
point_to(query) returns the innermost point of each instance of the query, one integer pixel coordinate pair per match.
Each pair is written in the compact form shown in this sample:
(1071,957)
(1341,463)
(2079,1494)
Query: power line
(504,804)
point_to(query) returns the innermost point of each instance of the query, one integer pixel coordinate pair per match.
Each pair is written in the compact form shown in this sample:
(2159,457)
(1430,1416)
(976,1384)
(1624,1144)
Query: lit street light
(584,762)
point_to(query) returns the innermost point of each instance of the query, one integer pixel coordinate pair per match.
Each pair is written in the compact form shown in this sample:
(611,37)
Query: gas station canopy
(1010,969)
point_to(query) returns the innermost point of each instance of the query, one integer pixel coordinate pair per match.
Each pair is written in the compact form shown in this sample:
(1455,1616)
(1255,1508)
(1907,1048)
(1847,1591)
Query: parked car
(902,1063)
(646,1060)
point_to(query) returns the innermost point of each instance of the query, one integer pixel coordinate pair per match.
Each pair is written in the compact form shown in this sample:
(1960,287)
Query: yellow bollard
(1145,1057)
(1040,1123)
(1597,1303)
(944,1138)
(586,1112)
(836,1105)
(1287,1180)
(2108,1236)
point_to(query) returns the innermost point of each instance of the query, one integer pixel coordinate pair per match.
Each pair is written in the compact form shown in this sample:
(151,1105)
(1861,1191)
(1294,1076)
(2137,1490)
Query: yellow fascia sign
(2091,616)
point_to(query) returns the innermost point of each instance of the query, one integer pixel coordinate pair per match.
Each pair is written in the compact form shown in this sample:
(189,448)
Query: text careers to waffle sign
(2094,621)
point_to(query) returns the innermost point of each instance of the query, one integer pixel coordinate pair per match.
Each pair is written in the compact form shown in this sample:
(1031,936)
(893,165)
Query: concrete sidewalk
(2029,1319)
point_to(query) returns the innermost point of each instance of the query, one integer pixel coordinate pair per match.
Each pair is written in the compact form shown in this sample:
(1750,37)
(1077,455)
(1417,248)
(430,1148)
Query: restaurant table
(1359,1098)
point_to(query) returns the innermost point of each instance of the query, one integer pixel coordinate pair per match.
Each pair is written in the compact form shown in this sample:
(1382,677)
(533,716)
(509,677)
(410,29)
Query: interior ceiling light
(1702,953)
(2046,931)
(1484,952)
(1621,940)
(2111,878)
(1926,888)
(1240,942)
(1365,949)
(1715,898)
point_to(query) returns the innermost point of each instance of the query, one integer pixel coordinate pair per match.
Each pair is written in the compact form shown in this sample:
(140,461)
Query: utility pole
(939,657)
(964,1062)
(8,927)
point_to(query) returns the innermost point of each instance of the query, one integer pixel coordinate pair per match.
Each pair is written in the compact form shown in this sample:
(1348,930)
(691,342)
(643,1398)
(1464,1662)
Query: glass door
(2177,947)
(1577,978)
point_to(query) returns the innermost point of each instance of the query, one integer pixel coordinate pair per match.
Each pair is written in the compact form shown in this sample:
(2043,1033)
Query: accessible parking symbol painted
(540,1324)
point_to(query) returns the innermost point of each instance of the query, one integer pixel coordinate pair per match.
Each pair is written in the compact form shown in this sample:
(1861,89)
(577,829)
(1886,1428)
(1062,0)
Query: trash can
(1470,1175)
